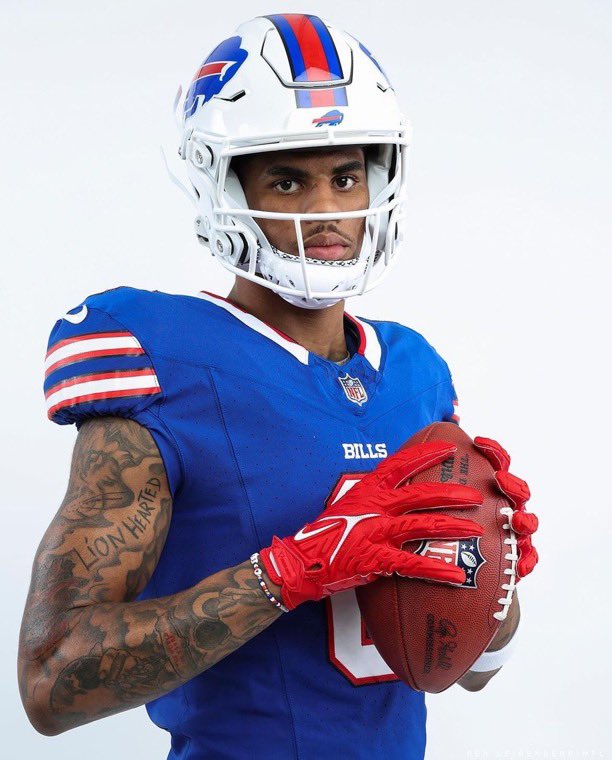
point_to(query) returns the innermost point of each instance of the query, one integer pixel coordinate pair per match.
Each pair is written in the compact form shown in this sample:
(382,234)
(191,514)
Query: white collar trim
(300,353)
(370,345)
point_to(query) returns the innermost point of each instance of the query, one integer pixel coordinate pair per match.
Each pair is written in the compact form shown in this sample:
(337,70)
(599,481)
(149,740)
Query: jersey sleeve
(447,404)
(451,411)
(96,367)
(447,401)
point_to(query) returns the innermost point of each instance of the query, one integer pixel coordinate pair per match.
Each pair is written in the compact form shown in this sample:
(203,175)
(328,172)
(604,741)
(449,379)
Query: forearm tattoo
(87,650)
(141,650)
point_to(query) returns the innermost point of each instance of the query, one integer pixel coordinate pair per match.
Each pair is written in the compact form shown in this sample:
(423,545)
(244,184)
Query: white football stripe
(129,383)
(90,344)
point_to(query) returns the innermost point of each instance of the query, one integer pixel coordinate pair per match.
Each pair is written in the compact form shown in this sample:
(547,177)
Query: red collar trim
(360,332)
(369,342)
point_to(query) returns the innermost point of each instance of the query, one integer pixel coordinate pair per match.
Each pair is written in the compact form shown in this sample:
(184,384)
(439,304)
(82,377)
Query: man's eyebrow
(279,170)
(285,170)
(349,166)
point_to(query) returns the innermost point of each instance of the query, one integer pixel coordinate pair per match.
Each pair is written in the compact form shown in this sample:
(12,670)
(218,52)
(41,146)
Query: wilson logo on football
(465,554)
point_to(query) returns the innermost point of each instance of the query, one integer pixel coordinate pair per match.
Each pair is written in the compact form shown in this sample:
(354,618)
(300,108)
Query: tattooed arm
(87,650)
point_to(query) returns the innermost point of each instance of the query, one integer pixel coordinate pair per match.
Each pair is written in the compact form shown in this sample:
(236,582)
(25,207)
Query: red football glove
(360,535)
(523,523)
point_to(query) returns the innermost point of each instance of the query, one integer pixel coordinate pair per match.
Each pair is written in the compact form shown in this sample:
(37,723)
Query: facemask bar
(368,251)
(303,141)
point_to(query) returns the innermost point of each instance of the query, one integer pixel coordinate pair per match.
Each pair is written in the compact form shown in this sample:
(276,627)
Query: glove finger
(414,566)
(425,527)
(431,496)
(514,488)
(494,452)
(524,523)
(408,462)
(526,563)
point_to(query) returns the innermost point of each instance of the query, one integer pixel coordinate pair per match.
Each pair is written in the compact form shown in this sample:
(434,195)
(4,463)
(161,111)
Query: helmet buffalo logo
(214,73)
(374,61)
(330,119)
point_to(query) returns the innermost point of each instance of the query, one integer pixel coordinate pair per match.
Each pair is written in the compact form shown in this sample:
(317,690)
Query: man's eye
(286,186)
(345,183)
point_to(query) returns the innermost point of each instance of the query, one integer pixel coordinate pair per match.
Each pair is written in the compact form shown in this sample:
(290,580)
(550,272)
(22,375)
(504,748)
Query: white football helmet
(288,82)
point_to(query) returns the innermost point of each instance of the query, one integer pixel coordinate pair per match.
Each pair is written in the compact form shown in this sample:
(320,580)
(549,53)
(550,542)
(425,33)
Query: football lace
(512,555)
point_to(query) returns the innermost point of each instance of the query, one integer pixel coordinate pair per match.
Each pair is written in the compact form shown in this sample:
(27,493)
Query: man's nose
(320,199)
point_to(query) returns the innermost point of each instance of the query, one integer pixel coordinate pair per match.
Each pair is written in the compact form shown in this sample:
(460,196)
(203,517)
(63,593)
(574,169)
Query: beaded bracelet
(259,575)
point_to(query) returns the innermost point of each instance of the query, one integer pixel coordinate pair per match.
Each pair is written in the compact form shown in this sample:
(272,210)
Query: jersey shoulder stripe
(96,366)
(81,347)
(103,385)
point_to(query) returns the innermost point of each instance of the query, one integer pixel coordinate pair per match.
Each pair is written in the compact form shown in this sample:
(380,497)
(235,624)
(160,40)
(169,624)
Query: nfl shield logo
(353,389)
(465,554)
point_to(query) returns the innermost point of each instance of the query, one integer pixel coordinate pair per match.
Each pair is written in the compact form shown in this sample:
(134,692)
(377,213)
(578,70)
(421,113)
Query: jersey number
(351,649)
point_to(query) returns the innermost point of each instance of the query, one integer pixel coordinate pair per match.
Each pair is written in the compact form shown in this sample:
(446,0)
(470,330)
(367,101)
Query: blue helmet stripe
(335,69)
(292,46)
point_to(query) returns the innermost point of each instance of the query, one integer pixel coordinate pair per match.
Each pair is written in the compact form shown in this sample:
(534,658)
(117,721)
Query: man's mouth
(328,247)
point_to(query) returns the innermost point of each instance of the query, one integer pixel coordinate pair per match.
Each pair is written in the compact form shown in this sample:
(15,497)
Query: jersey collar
(369,343)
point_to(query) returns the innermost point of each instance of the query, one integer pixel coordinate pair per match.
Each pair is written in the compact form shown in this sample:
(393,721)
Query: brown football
(431,633)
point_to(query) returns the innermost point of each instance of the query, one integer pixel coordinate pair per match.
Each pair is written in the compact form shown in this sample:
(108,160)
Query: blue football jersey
(256,433)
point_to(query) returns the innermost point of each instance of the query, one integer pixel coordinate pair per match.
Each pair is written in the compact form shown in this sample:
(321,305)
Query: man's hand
(360,535)
(523,523)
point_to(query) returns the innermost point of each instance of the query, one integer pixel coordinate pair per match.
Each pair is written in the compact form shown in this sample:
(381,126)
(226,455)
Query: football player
(237,471)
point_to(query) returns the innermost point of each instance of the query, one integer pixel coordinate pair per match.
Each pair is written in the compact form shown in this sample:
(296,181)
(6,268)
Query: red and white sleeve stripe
(102,385)
(91,346)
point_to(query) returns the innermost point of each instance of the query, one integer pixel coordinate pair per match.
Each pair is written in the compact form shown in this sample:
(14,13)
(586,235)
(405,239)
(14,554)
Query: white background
(506,273)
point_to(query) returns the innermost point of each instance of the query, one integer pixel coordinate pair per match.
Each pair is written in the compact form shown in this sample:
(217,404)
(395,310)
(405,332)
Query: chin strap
(309,303)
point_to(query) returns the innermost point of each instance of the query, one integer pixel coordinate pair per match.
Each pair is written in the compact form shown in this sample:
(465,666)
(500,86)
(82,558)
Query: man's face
(305,182)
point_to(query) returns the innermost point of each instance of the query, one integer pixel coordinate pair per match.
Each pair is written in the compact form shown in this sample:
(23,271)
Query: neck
(320,331)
